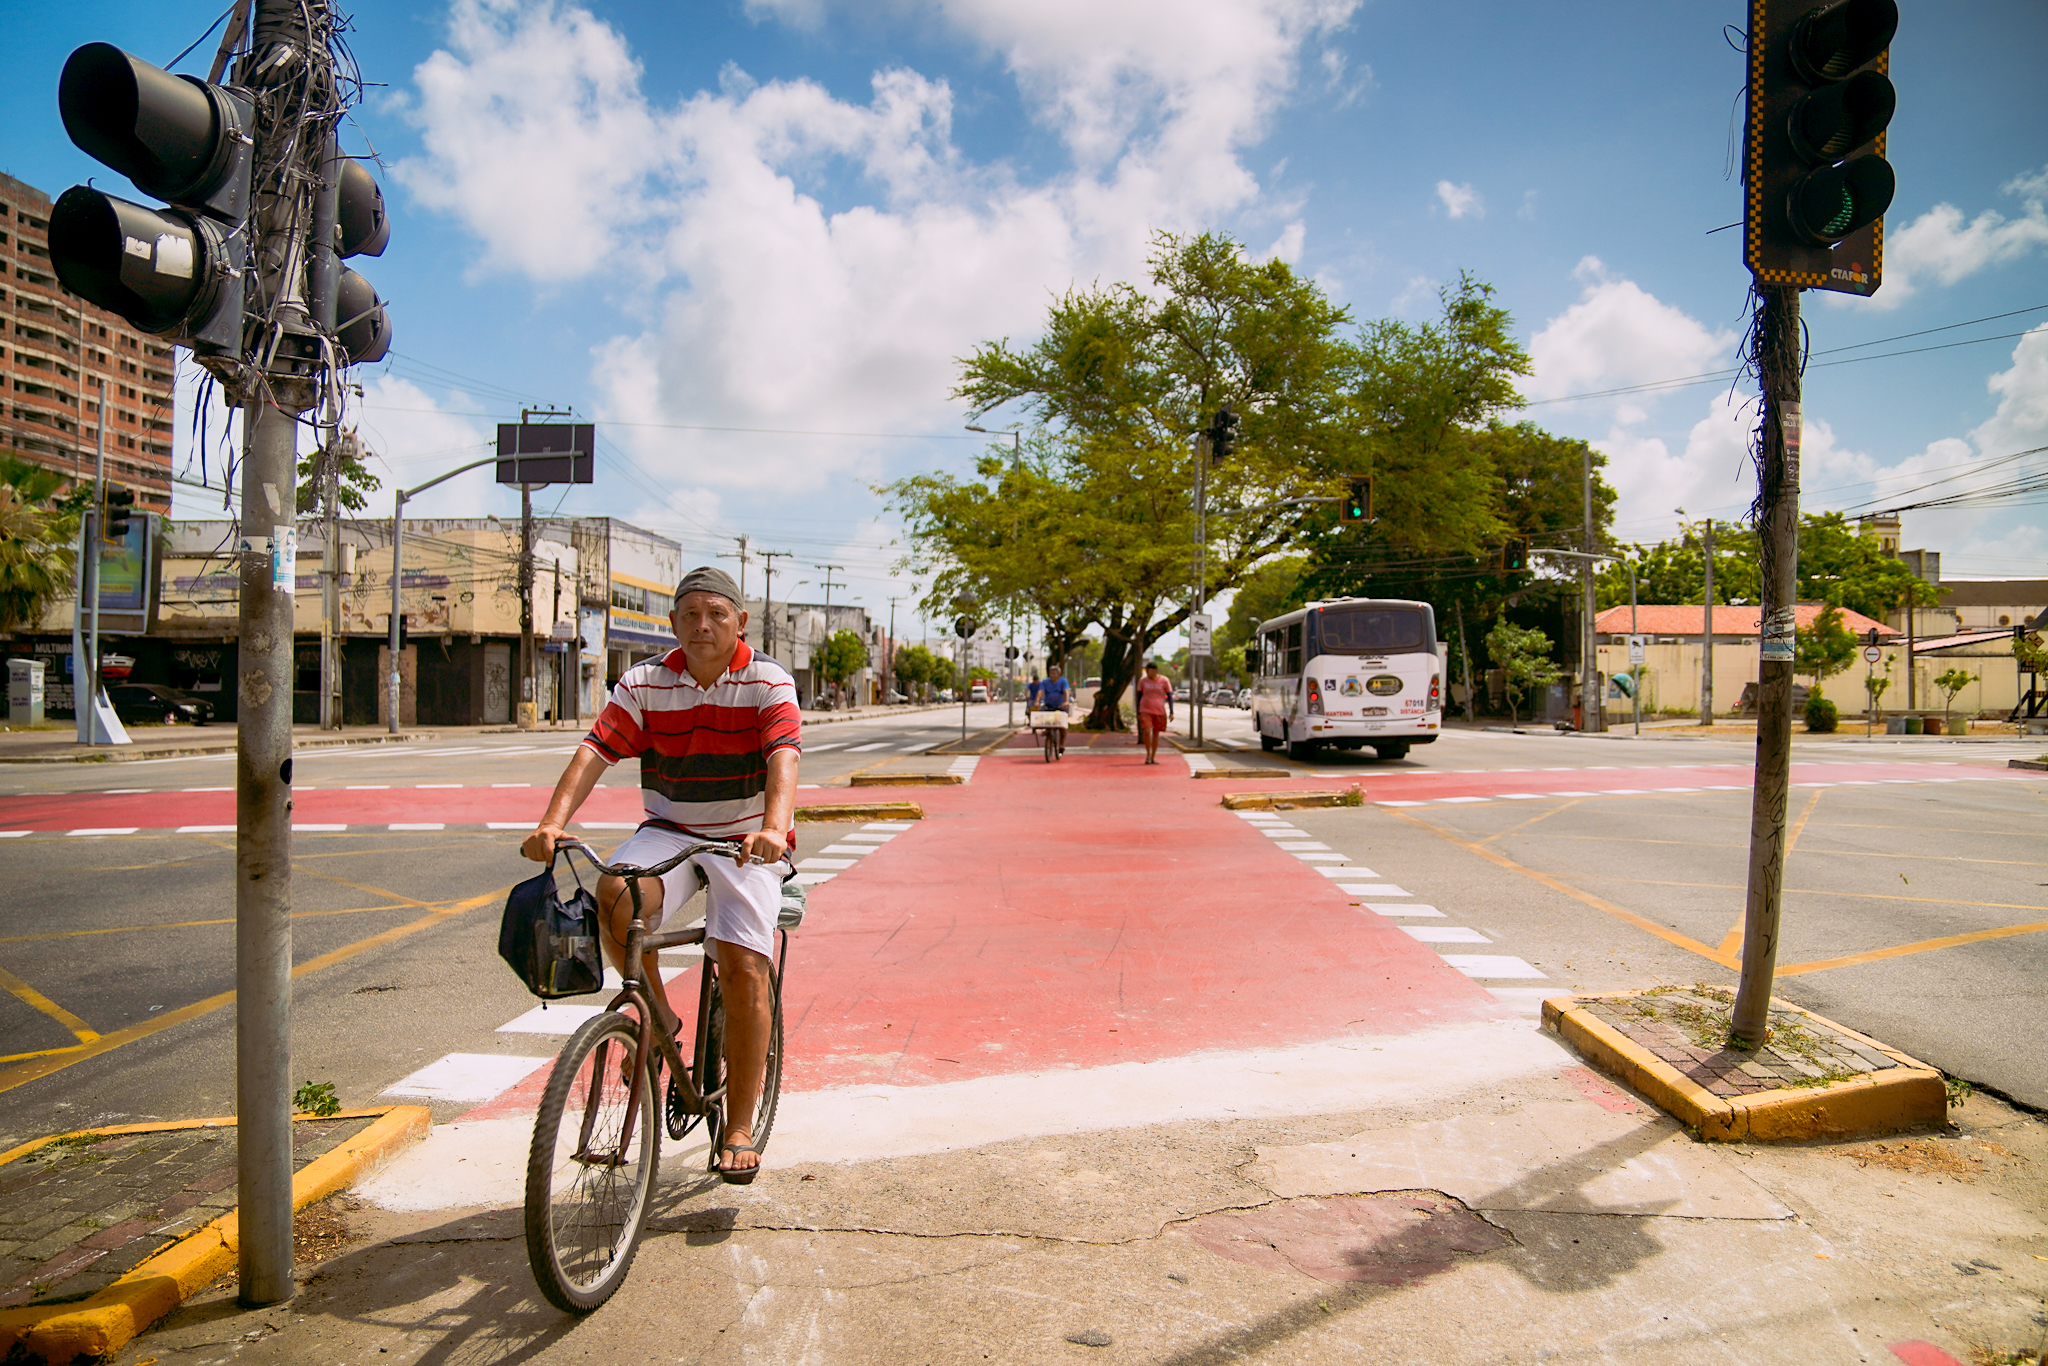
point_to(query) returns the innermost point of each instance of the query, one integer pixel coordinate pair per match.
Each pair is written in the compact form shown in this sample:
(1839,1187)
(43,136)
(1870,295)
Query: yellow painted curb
(100,1326)
(1247,774)
(862,811)
(1902,1097)
(1269,801)
(905,780)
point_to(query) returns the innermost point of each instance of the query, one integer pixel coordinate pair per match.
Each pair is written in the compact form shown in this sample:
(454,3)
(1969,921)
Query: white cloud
(1287,246)
(1460,200)
(1618,334)
(1939,247)
(765,304)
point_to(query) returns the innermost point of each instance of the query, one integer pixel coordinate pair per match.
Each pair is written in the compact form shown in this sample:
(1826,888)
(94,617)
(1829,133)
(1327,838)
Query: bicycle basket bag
(550,943)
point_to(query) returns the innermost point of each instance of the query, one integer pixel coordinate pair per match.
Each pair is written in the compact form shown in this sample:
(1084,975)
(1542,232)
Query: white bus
(1348,673)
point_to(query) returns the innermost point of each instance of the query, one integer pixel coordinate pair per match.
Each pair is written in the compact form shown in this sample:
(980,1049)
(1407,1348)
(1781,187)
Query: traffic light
(1514,555)
(965,627)
(1222,436)
(1871,638)
(120,512)
(1816,182)
(1356,506)
(178,272)
(361,228)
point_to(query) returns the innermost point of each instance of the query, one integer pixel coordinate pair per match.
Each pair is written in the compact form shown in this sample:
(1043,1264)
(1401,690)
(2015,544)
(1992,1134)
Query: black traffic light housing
(178,272)
(120,512)
(1356,506)
(1222,436)
(1514,555)
(1816,182)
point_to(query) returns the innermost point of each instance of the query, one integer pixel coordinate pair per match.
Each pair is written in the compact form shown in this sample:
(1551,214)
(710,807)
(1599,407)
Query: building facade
(56,352)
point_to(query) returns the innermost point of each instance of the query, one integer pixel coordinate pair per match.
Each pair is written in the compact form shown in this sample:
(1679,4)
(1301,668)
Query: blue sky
(795,214)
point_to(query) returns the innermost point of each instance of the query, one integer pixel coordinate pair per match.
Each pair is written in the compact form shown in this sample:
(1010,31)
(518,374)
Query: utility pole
(1776,354)
(768,559)
(818,655)
(889,656)
(742,556)
(529,699)
(1590,701)
(1707,655)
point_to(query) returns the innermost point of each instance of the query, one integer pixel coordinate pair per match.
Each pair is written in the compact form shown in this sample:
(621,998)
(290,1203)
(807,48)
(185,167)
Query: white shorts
(742,903)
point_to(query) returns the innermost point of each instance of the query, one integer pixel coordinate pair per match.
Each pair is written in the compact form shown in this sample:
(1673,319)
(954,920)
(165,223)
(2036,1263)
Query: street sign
(1871,654)
(1636,646)
(547,452)
(1198,634)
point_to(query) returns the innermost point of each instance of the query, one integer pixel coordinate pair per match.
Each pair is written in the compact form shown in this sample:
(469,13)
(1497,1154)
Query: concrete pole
(1201,584)
(528,693)
(92,642)
(1777,357)
(1635,677)
(391,689)
(1590,701)
(1707,666)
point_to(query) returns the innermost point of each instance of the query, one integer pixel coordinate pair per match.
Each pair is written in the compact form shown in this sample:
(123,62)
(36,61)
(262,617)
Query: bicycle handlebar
(632,873)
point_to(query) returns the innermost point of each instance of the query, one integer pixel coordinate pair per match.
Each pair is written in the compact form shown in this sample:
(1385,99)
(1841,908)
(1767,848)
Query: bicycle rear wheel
(1051,746)
(588,1177)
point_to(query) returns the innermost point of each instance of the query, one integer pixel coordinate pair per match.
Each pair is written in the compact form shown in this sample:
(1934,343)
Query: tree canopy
(1837,565)
(37,528)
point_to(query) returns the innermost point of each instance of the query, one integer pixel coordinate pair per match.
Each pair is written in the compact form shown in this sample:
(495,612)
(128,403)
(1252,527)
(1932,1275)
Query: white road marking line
(17,834)
(863,838)
(206,789)
(1398,908)
(508,825)
(368,787)
(1676,789)
(1488,965)
(607,825)
(862,749)
(1371,888)
(421,787)
(511,784)
(1387,803)
(467,1076)
(1522,796)
(820,749)
(1324,858)
(558,1017)
(125,791)
(813,879)
(1444,934)
(206,829)
(811,865)
(1448,800)
(416,825)
(897,826)
(847,849)
(322,829)
(1200,763)
(1299,846)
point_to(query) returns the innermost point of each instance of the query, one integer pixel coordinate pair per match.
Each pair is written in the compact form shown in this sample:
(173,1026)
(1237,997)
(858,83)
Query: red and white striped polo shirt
(703,751)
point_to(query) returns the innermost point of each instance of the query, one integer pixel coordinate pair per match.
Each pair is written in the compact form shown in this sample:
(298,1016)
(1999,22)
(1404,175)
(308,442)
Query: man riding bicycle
(717,732)
(1053,695)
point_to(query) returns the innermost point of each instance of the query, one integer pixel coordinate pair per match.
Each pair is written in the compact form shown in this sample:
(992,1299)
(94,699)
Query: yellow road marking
(1558,884)
(78,1027)
(33,1071)
(1524,825)
(1902,950)
(1731,943)
(187,924)
(1823,891)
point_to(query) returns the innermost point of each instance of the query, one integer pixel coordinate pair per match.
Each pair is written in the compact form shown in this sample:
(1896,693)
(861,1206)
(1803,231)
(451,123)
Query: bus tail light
(1436,692)
(1315,699)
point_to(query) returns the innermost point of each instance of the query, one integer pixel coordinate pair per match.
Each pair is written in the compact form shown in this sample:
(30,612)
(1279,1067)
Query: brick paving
(76,1216)
(1688,1030)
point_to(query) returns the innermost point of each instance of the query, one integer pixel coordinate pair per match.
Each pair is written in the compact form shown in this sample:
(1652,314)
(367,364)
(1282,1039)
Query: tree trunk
(1119,667)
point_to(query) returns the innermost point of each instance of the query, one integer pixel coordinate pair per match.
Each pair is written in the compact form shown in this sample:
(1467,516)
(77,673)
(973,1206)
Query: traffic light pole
(528,693)
(1707,637)
(1775,352)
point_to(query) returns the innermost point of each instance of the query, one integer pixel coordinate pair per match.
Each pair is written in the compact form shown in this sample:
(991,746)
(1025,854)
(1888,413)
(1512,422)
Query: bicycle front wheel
(590,1172)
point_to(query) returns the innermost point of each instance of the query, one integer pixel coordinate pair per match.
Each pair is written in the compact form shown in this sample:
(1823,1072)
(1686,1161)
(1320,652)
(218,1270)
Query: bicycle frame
(634,989)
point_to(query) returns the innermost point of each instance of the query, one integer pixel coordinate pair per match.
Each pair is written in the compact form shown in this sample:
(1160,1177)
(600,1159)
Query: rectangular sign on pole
(1636,646)
(1198,634)
(547,452)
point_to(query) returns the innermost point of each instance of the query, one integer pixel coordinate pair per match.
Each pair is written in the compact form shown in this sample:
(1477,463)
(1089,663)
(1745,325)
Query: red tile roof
(1661,619)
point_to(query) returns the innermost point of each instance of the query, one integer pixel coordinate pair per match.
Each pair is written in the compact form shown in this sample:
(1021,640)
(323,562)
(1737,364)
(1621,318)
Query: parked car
(1220,696)
(1180,692)
(978,693)
(892,697)
(1244,699)
(152,702)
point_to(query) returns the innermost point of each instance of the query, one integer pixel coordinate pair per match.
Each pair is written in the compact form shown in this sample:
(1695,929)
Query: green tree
(343,458)
(1267,592)
(916,668)
(1874,686)
(1951,683)
(844,655)
(1093,527)
(1522,654)
(1837,564)
(37,531)
(1823,649)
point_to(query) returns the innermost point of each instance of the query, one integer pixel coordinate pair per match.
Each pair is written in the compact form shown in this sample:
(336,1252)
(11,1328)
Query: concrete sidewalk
(1082,1067)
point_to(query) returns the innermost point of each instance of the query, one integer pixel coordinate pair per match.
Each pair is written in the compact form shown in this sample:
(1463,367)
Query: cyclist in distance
(717,732)
(1053,695)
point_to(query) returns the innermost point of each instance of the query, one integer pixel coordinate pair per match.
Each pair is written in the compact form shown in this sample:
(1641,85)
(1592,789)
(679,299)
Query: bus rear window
(1371,631)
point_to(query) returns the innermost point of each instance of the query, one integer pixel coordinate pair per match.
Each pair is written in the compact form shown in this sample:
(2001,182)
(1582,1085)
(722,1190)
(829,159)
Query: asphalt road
(1901,895)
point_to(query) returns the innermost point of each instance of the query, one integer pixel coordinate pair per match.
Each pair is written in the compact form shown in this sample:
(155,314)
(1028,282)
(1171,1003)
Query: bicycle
(1051,727)
(589,1179)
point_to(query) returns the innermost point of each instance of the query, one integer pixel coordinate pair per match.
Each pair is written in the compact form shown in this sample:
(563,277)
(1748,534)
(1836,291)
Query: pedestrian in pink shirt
(1155,708)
